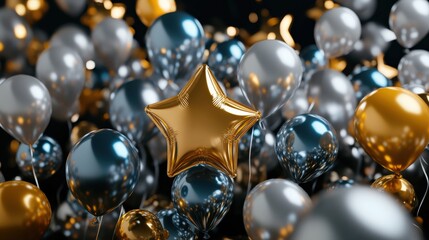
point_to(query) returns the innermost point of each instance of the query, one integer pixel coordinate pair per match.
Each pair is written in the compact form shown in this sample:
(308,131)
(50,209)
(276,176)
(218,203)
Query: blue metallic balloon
(175,44)
(224,61)
(342,183)
(203,195)
(306,147)
(312,59)
(102,170)
(47,155)
(178,227)
(257,144)
(366,80)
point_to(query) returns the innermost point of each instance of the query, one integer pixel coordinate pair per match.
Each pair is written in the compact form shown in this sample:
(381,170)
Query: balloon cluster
(210,131)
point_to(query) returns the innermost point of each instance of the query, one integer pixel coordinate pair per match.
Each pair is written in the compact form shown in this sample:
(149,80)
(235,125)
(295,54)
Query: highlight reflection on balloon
(413,69)
(366,80)
(140,224)
(178,227)
(15,34)
(399,187)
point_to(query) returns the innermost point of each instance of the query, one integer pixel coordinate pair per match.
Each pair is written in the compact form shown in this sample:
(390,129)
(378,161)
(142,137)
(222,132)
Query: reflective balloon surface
(117,49)
(140,224)
(414,69)
(224,61)
(337,31)
(298,104)
(363,8)
(313,59)
(375,40)
(203,195)
(269,73)
(102,170)
(333,97)
(178,227)
(75,38)
(149,10)
(356,213)
(62,71)
(25,108)
(47,155)
(393,136)
(399,187)
(25,212)
(268,156)
(273,208)
(306,147)
(72,7)
(15,33)
(175,44)
(408,20)
(366,80)
(257,142)
(127,106)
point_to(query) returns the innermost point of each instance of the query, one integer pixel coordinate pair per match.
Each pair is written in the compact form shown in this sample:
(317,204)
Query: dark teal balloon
(203,195)
(312,59)
(102,170)
(366,80)
(177,226)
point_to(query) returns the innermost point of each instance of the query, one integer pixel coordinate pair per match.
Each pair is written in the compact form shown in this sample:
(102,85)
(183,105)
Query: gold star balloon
(202,125)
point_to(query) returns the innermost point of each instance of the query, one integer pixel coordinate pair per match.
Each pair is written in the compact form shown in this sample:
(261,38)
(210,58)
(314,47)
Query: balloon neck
(397,175)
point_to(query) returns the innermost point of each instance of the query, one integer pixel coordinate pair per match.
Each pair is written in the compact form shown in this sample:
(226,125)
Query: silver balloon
(375,40)
(268,155)
(15,33)
(269,73)
(72,7)
(47,158)
(75,38)
(25,108)
(332,96)
(257,142)
(313,59)
(356,213)
(298,104)
(203,195)
(408,20)
(175,44)
(127,106)
(112,41)
(337,31)
(306,147)
(178,227)
(63,73)
(415,88)
(363,8)
(273,208)
(414,68)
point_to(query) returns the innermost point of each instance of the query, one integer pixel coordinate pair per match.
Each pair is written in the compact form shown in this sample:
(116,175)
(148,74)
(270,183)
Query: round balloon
(178,228)
(332,96)
(363,8)
(140,224)
(337,31)
(47,158)
(374,41)
(366,80)
(25,108)
(62,71)
(413,69)
(408,20)
(313,59)
(25,212)
(127,106)
(269,73)
(112,41)
(356,213)
(306,147)
(175,44)
(15,33)
(102,170)
(149,10)
(203,195)
(71,7)
(298,104)
(396,135)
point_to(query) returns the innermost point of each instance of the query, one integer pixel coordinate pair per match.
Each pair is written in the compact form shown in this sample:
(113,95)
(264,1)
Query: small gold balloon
(399,187)
(80,130)
(149,10)
(25,212)
(31,10)
(140,224)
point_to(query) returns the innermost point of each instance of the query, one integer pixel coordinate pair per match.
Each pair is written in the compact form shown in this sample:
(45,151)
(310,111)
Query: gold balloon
(31,10)
(202,125)
(149,10)
(392,126)
(140,224)
(400,188)
(25,212)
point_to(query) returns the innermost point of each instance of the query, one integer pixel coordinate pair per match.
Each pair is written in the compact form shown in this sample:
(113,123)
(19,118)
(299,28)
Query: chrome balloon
(257,142)
(413,69)
(375,40)
(47,158)
(306,147)
(175,44)
(223,61)
(273,208)
(15,33)
(313,59)
(363,8)
(298,104)
(366,80)
(203,195)
(356,213)
(178,227)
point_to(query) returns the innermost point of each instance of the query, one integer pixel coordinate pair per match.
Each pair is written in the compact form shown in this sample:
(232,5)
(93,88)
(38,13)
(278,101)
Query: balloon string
(85,231)
(422,160)
(249,185)
(122,212)
(310,107)
(100,220)
(32,165)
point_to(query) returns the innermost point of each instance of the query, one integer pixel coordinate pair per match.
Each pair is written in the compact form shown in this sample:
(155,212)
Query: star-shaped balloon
(202,125)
